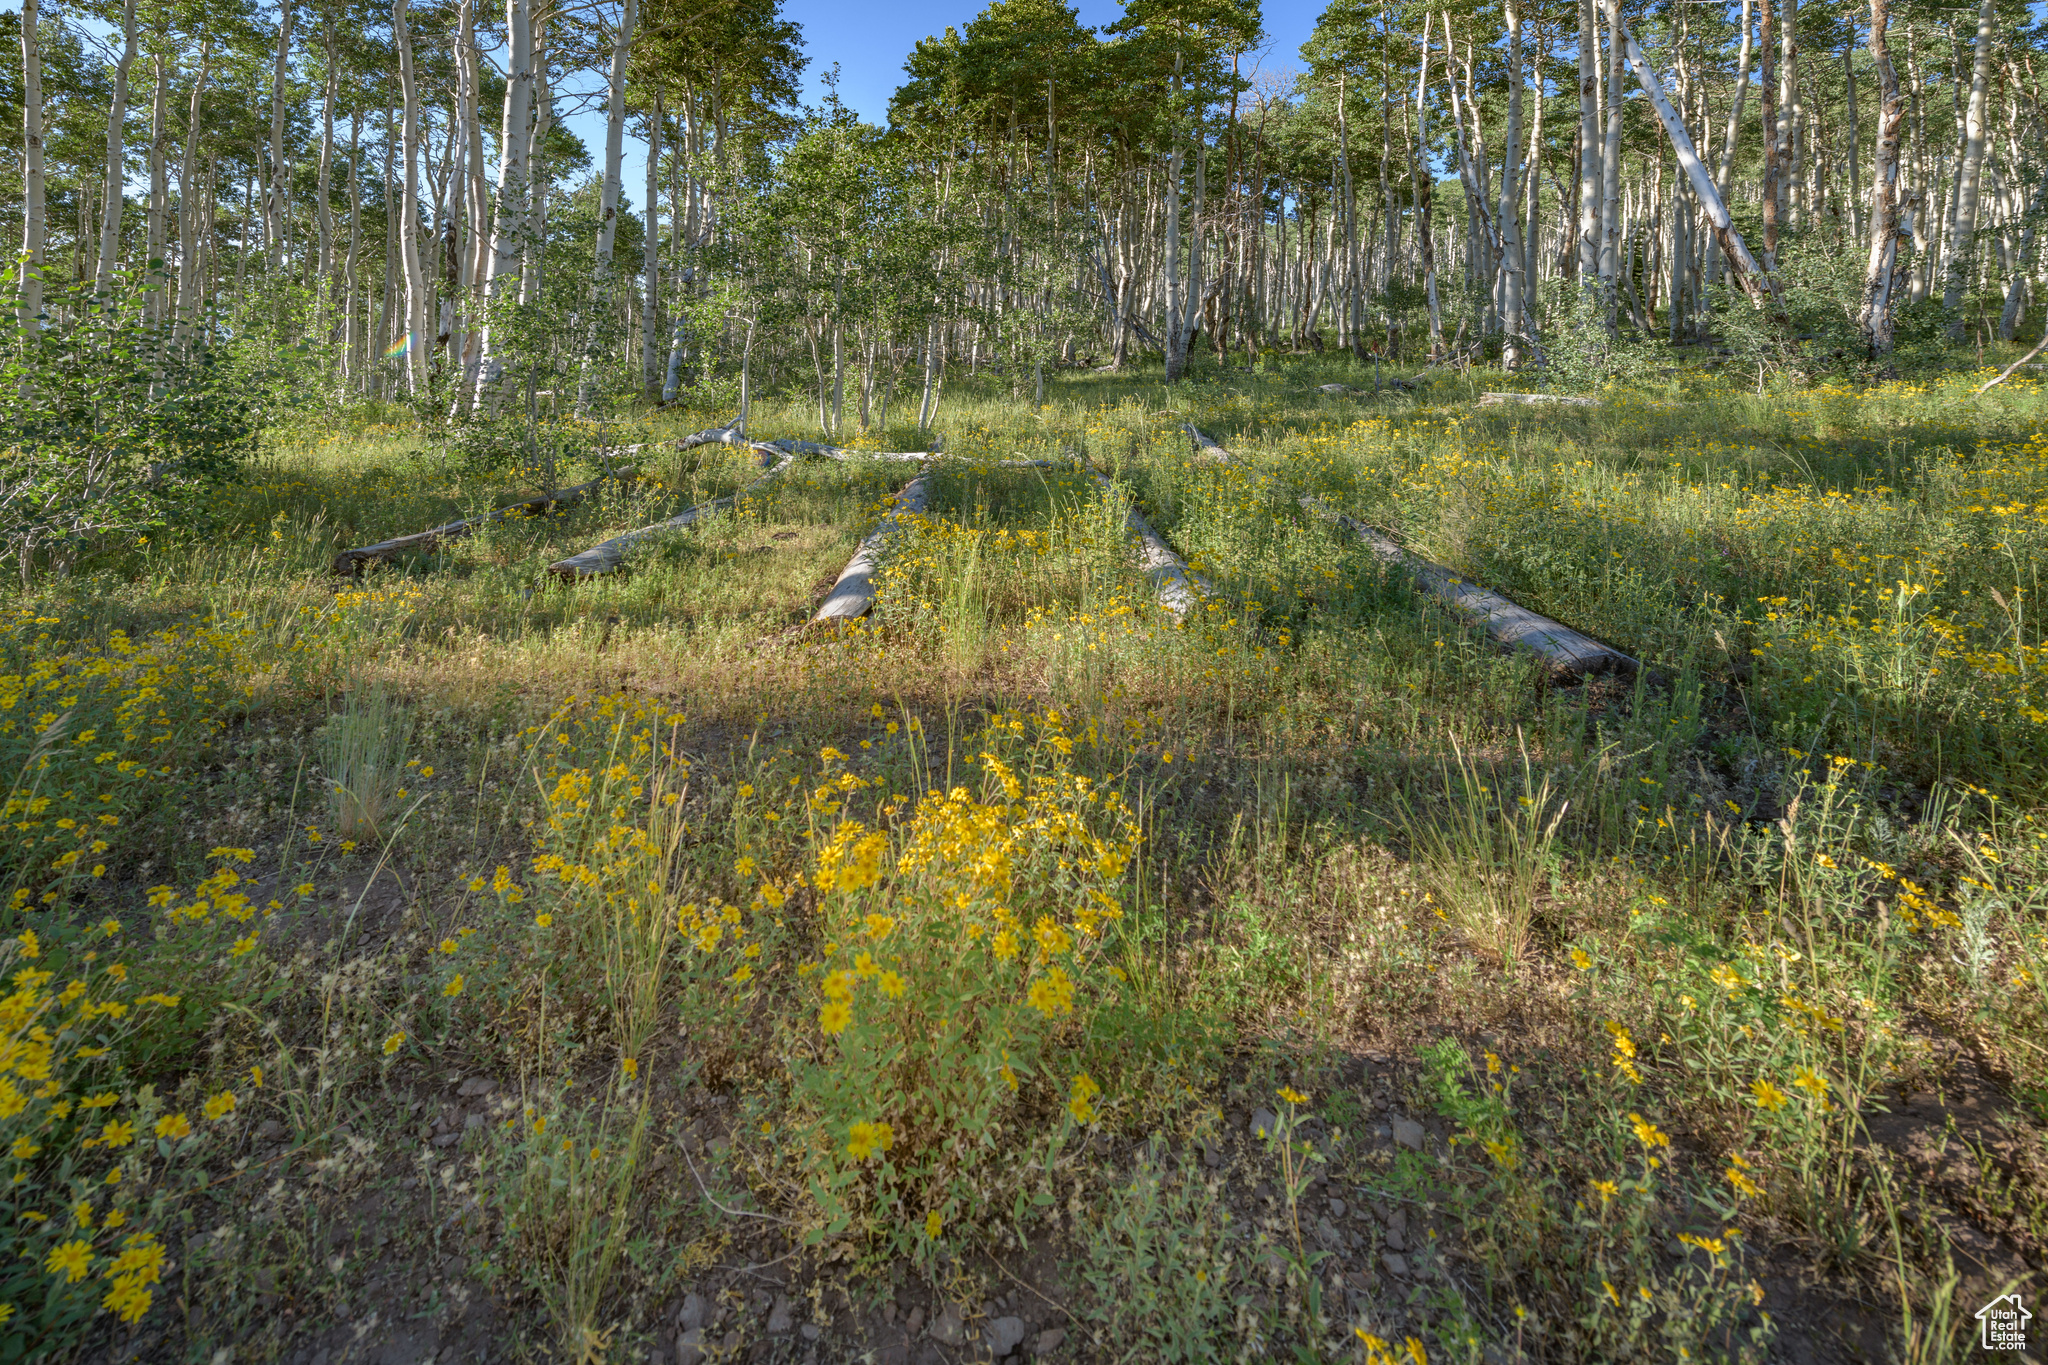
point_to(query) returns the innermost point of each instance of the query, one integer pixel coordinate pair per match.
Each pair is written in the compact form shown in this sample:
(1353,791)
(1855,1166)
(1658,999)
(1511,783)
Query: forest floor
(489,966)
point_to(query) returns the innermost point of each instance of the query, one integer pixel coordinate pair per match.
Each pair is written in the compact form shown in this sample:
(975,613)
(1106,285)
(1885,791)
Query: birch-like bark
(650,264)
(1510,233)
(1855,155)
(1174,301)
(1767,110)
(1789,110)
(159,187)
(509,227)
(461,264)
(1425,236)
(1610,172)
(1962,238)
(190,296)
(1589,148)
(112,204)
(415,332)
(273,203)
(602,276)
(1881,272)
(324,179)
(1760,287)
(34,229)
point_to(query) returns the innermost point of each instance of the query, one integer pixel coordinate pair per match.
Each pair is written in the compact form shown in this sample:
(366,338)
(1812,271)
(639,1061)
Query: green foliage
(109,418)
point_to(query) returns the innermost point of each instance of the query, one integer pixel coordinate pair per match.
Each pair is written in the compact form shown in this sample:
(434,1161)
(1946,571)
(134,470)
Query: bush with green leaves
(109,415)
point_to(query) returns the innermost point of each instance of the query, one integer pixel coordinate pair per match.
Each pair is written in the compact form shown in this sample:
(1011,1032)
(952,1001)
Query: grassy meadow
(455,963)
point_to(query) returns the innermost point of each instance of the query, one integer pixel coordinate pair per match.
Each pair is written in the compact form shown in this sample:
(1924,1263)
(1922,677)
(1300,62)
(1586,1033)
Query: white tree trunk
(650,264)
(117,159)
(1962,237)
(273,207)
(190,207)
(417,336)
(34,230)
(602,277)
(514,158)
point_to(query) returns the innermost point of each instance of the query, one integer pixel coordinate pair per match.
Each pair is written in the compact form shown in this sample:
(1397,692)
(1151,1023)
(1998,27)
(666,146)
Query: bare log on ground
(1568,653)
(1179,589)
(1205,446)
(832,452)
(853,593)
(351,562)
(1487,400)
(728,435)
(608,555)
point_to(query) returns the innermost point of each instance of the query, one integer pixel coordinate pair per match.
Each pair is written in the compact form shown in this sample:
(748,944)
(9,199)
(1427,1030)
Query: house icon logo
(2004,1322)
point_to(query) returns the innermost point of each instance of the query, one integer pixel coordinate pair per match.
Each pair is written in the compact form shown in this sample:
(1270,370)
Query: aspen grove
(1367,697)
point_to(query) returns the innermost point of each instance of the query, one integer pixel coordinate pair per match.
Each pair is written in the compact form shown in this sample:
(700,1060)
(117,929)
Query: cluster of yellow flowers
(86,731)
(961,938)
(74,1131)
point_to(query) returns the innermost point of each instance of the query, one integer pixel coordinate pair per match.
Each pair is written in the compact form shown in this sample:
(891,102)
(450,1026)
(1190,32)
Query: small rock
(1396,1240)
(1336,1208)
(1048,1341)
(475,1086)
(1396,1265)
(1212,1155)
(270,1130)
(1408,1133)
(915,1322)
(690,1347)
(782,1317)
(473,1121)
(447,1139)
(1327,1234)
(692,1316)
(1003,1336)
(1263,1122)
(809,1331)
(948,1329)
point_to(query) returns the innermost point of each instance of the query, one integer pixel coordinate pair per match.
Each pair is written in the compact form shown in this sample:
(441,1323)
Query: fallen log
(352,562)
(1179,589)
(1205,446)
(832,452)
(1487,400)
(608,555)
(727,435)
(1568,653)
(853,592)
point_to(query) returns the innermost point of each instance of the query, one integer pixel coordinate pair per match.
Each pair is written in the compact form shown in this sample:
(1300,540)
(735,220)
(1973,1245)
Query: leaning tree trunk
(1881,272)
(117,173)
(1962,237)
(33,228)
